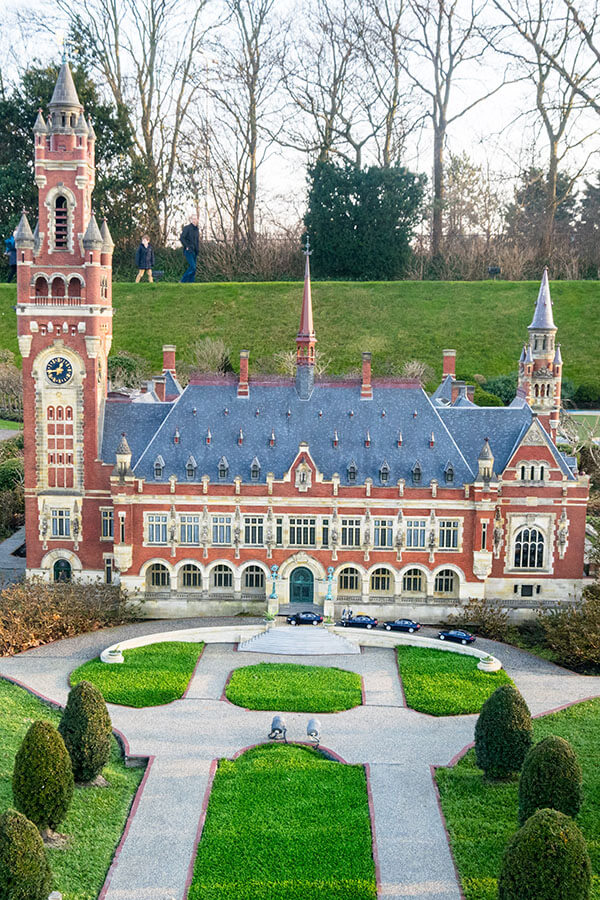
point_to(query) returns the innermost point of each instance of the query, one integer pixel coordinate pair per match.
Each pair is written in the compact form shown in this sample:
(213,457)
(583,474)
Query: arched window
(222,577)
(523,473)
(191,576)
(445,582)
(60,413)
(60,224)
(158,577)
(62,570)
(413,582)
(352,473)
(75,288)
(254,578)
(41,287)
(58,287)
(381,581)
(529,549)
(50,413)
(69,414)
(349,581)
(542,473)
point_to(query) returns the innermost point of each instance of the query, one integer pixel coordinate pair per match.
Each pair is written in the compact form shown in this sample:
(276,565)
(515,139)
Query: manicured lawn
(14,426)
(481,817)
(149,676)
(442,683)
(287,687)
(284,823)
(396,321)
(97,816)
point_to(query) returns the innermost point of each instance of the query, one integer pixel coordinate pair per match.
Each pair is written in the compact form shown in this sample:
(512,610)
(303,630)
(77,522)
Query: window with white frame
(350,532)
(349,581)
(384,533)
(529,549)
(253,531)
(189,529)
(254,578)
(448,534)
(381,581)
(157,528)
(279,532)
(158,576)
(415,534)
(191,576)
(61,523)
(108,569)
(413,582)
(221,530)
(107,524)
(302,532)
(325,532)
(445,582)
(222,577)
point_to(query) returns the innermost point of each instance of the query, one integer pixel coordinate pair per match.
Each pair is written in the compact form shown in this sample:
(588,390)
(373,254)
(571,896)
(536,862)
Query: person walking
(190,241)
(144,259)
(11,252)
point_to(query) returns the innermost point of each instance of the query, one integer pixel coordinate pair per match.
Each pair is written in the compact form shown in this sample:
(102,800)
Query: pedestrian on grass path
(190,241)
(144,259)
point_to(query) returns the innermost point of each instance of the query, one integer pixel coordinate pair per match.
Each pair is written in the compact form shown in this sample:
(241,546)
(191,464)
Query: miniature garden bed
(286,823)
(97,815)
(287,687)
(149,676)
(482,816)
(442,683)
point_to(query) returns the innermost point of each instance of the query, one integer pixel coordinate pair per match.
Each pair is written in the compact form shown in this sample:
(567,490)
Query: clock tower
(64,316)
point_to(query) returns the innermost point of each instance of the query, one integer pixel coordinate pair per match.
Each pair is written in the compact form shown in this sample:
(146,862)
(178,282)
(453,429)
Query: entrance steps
(299,640)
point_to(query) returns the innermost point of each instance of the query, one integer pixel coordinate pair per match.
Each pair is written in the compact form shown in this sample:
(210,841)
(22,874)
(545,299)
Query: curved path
(184,738)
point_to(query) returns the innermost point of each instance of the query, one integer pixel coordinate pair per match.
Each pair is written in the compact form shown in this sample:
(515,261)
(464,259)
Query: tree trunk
(438,189)
(550,210)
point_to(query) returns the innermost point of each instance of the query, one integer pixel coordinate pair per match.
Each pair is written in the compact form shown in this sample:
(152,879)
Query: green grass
(14,426)
(443,683)
(149,676)
(97,816)
(482,816)
(292,688)
(486,321)
(284,823)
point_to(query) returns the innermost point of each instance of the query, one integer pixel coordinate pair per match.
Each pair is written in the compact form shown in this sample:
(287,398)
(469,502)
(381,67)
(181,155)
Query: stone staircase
(299,640)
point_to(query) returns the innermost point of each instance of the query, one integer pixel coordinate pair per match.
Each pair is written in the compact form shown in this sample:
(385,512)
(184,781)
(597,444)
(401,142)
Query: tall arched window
(222,577)
(75,288)
(191,576)
(254,578)
(349,581)
(41,287)
(445,582)
(61,214)
(529,549)
(413,582)
(381,581)
(158,577)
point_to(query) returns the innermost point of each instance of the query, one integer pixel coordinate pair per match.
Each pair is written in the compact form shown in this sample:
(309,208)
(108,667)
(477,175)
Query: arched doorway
(62,570)
(302,585)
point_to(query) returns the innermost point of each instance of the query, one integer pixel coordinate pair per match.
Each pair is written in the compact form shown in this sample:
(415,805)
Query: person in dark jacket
(144,259)
(190,242)
(11,252)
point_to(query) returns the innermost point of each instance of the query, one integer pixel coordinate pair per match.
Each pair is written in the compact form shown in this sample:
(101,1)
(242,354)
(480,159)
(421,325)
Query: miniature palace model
(240,492)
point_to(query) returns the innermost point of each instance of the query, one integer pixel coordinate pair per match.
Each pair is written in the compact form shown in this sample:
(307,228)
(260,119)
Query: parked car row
(361,620)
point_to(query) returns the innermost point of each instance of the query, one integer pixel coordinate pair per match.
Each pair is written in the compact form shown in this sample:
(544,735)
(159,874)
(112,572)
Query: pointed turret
(485,461)
(123,455)
(306,337)
(24,235)
(542,317)
(65,95)
(36,239)
(558,357)
(92,239)
(81,127)
(40,125)
(91,132)
(107,242)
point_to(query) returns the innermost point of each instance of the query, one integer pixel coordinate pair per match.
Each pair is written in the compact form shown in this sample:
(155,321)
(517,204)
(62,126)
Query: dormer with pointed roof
(24,239)
(93,239)
(485,461)
(306,337)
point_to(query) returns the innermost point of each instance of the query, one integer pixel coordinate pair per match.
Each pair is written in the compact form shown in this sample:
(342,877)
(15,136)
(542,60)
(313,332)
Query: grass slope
(288,687)
(443,683)
(481,817)
(284,823)
(97,816)
(149,676)
(485,321)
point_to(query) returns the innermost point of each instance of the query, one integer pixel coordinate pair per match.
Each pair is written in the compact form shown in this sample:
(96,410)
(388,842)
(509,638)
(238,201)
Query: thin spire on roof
(306,332)
(65,93)
(542,317)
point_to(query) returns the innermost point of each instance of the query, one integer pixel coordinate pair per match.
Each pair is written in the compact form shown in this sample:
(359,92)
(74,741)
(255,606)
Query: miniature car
(459,637)
(304,618)
(402,625)
(359,621)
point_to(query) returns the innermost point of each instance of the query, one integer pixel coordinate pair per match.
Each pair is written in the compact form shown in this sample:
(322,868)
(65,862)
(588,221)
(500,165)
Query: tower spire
(542,317)
(306,337)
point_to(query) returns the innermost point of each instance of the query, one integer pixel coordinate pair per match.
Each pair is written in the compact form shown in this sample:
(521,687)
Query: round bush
(43,778)
(86,730)
(546,859)
(551,779)
(503,733)
(24,870)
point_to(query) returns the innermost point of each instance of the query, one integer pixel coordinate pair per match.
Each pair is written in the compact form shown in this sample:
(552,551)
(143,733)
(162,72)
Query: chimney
(169,358)
(243,389)
(470,392)
(449,363)
(366,390)
(160,387)
(459,389)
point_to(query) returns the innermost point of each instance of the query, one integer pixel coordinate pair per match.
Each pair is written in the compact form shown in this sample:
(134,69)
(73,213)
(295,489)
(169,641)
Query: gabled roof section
(536,434)
(139,420)
(172,387)
(470,427)
(444,390)
(542,318)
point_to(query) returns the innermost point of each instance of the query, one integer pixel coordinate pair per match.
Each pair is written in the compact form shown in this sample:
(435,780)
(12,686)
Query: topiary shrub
(551,779)
(547,859)
(503,733)
(86,730)
(43,778)
(24,870)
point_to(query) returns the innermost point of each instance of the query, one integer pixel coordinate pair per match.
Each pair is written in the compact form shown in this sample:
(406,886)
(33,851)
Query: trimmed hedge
(547,859)
(86,730)
(24,870)
(43,778)
(551,779)
(503,733)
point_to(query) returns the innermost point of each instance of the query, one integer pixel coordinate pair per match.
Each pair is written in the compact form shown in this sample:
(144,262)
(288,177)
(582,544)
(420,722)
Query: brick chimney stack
(169,359)
(160,387)
(366,390)
(243,387)
(449,363)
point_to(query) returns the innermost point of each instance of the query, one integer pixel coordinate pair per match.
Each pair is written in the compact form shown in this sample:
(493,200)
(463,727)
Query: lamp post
(328,604)
(273,601)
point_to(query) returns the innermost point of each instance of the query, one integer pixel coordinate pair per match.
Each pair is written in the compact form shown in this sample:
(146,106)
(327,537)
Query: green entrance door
(302,586)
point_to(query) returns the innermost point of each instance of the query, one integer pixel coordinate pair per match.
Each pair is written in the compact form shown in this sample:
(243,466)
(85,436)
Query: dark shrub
(86,730)
(487,618)
(547,859)
(43,778)
(573,632)
(24,870)
(551,779)
(503,733)
(587,396)
(11,474)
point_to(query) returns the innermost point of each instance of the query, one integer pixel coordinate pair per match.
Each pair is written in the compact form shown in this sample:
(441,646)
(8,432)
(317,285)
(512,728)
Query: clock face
(59,370)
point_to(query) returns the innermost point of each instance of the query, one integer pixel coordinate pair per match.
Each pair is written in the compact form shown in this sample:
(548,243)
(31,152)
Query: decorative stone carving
(25,344)
(123,554)
(563,534)
(498,533)
(303,477)
(482,563)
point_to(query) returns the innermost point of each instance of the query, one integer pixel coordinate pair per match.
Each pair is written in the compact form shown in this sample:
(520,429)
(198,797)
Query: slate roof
(139,421)
(65,94)
(503,425)
(542,317)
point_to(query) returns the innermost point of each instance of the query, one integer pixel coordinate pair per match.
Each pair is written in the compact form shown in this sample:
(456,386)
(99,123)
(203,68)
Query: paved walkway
(185,737)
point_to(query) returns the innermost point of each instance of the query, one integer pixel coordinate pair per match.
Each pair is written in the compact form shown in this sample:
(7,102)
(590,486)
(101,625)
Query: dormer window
(417,474)
(223,468)
(384,473)
(352,473)
(190,467)
(449,473)
(159,467)
(255,470)
(60,222)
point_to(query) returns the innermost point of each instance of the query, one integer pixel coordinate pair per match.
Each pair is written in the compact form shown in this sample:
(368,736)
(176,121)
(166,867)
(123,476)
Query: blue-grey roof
(444,391)
(139,421)
(542,317)
(172,386)
(503,426)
